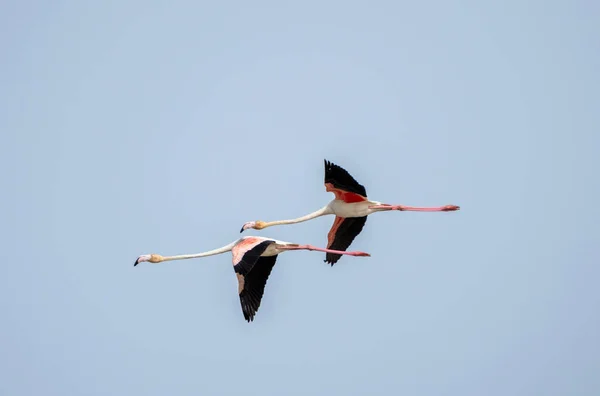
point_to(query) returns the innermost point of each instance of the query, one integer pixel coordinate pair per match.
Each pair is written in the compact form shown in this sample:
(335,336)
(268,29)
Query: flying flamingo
(253,260)
(350,207)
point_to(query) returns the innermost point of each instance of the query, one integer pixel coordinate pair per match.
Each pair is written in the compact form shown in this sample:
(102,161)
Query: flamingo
(253,259)
(350,207)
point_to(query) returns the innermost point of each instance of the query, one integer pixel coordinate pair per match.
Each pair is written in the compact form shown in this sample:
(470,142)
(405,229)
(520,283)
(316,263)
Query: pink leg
(311,247)
(446,208)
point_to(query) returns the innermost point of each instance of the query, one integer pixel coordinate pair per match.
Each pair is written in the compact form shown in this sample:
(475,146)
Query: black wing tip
(249,308)
(331,261)
(255,281)
(341,178)
(249,314)
(331,165)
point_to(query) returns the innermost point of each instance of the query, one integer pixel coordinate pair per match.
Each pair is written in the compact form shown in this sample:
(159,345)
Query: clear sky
(132,127)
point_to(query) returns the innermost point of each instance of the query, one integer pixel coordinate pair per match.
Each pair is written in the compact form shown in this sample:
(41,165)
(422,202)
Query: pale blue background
(132,127)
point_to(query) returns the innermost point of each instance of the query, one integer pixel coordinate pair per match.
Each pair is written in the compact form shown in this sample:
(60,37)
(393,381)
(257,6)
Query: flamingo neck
(220,250)
(321,212)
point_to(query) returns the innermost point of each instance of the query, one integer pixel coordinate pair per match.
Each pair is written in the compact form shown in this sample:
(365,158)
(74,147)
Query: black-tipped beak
(136,262)
(242,230)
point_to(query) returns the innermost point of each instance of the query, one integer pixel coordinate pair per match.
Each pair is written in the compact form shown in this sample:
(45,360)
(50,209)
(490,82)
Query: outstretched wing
(252,272)
(254,286)
(341,235)
(342,184)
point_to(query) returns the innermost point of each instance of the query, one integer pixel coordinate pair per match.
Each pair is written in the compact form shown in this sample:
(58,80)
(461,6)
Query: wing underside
(341,235)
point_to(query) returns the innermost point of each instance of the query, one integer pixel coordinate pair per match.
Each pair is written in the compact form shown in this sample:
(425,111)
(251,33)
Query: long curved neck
(321,212)
(204,254)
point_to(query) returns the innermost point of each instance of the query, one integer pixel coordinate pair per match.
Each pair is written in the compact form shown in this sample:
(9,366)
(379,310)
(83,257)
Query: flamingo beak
(142,258)
(247,225)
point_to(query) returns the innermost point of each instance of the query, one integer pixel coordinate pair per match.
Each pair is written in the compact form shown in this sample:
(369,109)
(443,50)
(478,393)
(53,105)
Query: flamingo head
(257,225)
(151,258)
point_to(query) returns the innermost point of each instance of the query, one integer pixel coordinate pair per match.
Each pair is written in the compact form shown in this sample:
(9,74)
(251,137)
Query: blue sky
(137,127)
